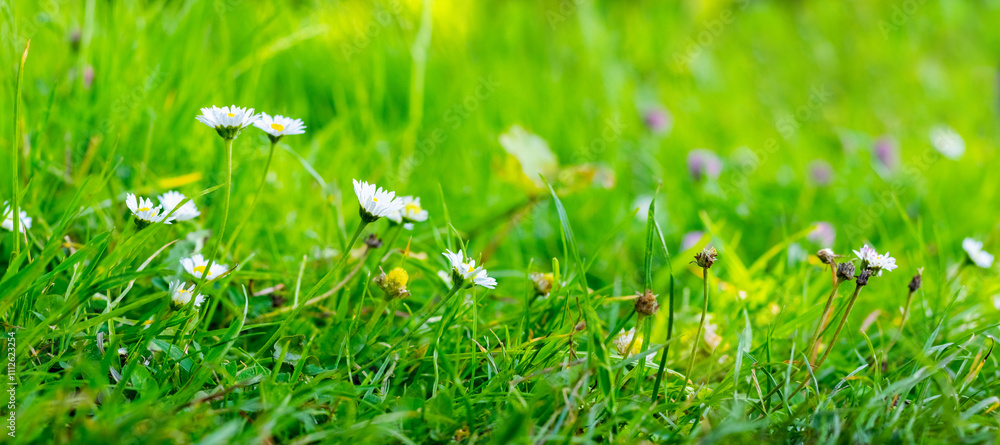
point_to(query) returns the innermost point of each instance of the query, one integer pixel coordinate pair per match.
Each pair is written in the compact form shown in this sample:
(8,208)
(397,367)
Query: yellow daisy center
(278,127)
(374,199)
(231,115)
(143,209)
(199,269)
(183,291)
(412,208)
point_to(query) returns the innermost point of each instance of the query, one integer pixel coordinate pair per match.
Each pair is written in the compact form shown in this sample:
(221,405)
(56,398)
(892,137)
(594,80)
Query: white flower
(976,253)
(947,142)
(624,339)
(197,264)
(227,121)
(7,218)
(410,210)
(145,211)
(376,202)
(871,259)
(279,126)
(467,270)
(173,199)
(180,295)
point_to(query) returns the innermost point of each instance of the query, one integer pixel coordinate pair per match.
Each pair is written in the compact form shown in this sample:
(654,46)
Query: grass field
(584,152)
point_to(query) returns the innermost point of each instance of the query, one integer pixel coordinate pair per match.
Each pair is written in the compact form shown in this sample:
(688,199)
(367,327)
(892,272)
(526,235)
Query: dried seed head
(916,281)
(646,303)
(706,257)
(827,256)
(543,283)
(864,276)
(845,271)
(393,283)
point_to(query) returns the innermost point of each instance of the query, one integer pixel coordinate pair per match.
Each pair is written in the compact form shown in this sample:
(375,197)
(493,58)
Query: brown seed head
(706,257)
(646,303)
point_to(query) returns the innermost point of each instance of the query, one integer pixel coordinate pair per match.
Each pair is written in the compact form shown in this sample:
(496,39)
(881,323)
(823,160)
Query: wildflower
(887,152)
(181,295)
(197,265)
(821,172)
(376,202)
(172,200)
(409,212)
(871,259)
(827,256)
(144,211)
(646,303)
(947,142)
(462,271)
(822,233)
(7,218)
(706,257)
(976,254)
(624,339)
(393,283)
(542,282)
(227,121)
(703,163)
(916,281)
(658,120)
(845,271)
(279,126)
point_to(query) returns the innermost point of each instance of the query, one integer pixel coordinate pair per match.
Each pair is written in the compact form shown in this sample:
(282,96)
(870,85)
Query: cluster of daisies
(375,203)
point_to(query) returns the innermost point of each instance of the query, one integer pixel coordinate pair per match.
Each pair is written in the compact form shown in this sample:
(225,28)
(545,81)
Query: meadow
(555,221)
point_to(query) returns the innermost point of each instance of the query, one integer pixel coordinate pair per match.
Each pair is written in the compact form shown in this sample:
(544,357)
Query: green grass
(414,96)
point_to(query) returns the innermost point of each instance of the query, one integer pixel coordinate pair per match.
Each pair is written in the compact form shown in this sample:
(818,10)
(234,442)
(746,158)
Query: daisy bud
(827,256)
(863,277)
(393,283)
(706,257)
(543,283)
(646,303)
(845,271)
(916,281)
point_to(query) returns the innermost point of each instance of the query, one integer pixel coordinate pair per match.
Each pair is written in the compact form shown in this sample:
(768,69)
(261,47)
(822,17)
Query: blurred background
(757,120)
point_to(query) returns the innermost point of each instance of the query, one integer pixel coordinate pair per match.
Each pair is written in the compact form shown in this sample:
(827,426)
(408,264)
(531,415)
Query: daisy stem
(256,196)
(836,335)
(822,321)
(340,263)
(225,216)
(697,337)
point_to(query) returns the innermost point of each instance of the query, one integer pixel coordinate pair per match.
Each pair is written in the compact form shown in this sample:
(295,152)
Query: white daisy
(279,126)
(7,218)
(227,121)
(410,210)
(976,253)
(180,294)
(173,199)
(871,259)
(462,271)
(376,202)
(197,264)
(947,142)
(144,210)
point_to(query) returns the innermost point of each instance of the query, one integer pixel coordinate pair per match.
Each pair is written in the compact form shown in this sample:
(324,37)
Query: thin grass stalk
(697,337)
